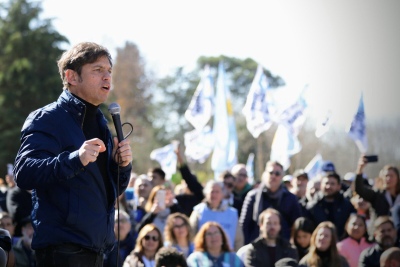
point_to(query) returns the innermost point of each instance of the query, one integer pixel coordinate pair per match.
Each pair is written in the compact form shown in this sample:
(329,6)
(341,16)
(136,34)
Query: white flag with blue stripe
(226,142)
(167,159)
(357,130)
(313,168)
(256,107)
(200,108)
(294,116)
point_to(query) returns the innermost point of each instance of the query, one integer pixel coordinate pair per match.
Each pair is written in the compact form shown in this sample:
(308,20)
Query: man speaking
(73,165)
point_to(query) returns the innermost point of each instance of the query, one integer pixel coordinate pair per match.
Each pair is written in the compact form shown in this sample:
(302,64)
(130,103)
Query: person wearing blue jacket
(270,194)
(73,165)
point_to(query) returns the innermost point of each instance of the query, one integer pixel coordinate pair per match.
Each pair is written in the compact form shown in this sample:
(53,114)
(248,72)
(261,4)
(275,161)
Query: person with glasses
(215,208)
(177,233)
(212,248)
(149,241)
(126,240)
(270,194)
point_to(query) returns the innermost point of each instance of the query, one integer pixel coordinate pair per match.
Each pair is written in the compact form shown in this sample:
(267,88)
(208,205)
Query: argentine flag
(226,142)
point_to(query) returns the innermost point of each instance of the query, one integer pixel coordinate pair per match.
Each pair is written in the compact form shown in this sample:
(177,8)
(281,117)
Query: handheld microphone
(114,110)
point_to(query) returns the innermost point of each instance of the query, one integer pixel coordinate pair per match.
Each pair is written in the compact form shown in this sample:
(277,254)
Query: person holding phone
(160,204)
(382,201)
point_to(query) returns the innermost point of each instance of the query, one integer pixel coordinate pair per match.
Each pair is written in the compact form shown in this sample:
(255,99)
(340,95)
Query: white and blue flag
(313,168)
(357,130)
(294,116)
(255,109)
(167,159)
(200,108)
(199,144)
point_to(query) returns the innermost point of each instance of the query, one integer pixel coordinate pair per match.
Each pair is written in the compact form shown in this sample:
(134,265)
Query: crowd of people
(74,200)
(322,222)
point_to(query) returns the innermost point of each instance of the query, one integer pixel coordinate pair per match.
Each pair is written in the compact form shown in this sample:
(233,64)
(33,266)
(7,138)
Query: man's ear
(71,76)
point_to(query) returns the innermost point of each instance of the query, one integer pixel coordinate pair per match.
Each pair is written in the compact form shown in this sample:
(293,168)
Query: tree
(29,76)
(132,91)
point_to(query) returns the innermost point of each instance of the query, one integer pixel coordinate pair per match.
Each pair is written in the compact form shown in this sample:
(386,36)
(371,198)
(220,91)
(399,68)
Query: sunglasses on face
(179,225)
(148,237)
(276,173)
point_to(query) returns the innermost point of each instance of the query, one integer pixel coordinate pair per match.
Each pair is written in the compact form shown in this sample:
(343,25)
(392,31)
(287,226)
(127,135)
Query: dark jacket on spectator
(370,257)
(188,201)
(257,255)
(318,211)
(258,200)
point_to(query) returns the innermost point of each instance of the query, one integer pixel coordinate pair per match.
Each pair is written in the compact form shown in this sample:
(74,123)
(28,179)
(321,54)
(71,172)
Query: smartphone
(160,197)
(371,158)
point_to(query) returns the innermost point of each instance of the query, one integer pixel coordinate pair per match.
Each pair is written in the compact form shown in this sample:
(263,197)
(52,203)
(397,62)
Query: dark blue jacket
(317,211)
(69,200)
(256,201)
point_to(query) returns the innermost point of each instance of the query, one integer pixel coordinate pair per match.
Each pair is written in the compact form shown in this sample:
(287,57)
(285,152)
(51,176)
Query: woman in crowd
(157,212)
(355,239)
(381,200)
(301,235)
(148,242)
(323,251)
(212,248)
(177,233)
(217,210)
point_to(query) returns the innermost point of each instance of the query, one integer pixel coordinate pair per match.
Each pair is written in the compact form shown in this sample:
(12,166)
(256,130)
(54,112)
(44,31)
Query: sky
(339,48)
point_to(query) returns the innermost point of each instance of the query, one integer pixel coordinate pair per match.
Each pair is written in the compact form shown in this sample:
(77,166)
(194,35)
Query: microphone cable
(117,156)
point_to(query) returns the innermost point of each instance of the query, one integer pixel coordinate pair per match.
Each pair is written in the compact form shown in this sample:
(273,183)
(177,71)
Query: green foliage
(29,75)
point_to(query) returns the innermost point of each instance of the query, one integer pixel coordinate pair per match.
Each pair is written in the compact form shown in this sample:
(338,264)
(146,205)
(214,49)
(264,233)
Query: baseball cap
(350,176)
(328,166)
(287,178)
(300,172)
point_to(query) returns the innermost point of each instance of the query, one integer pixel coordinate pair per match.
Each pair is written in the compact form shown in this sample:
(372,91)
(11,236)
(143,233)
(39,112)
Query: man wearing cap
(299,187)
(328,166)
